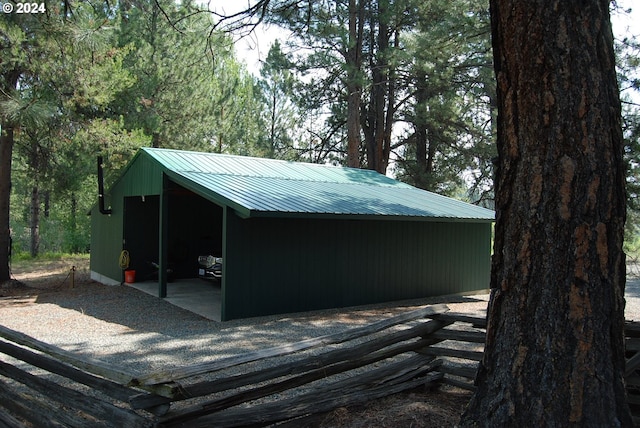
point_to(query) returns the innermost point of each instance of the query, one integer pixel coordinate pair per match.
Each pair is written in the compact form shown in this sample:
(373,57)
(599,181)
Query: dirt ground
(416,409)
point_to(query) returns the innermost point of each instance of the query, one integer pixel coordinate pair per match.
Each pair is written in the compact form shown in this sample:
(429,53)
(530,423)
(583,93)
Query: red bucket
(129,276)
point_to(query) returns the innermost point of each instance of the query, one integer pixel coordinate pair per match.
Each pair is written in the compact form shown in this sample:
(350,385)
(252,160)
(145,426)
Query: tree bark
(6,152)
(425,146)
(554,351)
(377,116)
(354,87)
(35,221)
(47,203)
(10,82)
(73,224)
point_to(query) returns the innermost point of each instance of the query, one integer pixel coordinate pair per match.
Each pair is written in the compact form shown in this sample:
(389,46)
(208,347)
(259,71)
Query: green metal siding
(287,265)
(106,241)
(140,233)
(143,176)
(299,255)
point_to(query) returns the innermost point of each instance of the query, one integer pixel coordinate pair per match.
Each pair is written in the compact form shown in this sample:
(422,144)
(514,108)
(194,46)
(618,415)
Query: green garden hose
(124,259)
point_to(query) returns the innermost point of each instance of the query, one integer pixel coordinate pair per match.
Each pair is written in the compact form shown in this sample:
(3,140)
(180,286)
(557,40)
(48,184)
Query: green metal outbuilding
(293,236)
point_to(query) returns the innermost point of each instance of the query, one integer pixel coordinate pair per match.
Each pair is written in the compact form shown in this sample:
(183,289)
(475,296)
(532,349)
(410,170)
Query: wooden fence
(47,386)
(632,375)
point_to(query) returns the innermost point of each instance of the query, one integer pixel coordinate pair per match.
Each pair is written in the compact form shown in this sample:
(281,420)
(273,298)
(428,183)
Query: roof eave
(343,216)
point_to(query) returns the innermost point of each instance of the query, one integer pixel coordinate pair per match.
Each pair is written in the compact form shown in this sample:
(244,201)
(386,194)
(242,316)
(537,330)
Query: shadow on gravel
(632,288)
(157,332)
(143,332)
(122,305)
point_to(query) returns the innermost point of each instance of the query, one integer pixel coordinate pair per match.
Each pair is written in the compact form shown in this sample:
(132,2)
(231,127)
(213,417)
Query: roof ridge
(260,159)
(390,183)
(195,152)
(247,166)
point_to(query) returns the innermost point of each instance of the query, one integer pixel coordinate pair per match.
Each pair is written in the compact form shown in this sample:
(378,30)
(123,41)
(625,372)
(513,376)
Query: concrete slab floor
(195,295)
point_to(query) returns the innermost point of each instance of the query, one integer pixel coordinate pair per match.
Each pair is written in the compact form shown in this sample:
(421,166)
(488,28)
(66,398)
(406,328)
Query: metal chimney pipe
(101,189)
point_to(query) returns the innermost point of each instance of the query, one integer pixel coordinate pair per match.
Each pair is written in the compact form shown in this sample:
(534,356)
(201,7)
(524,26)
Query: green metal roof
(257,187)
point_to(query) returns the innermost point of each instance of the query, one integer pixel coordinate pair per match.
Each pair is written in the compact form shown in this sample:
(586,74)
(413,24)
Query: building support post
(163,231)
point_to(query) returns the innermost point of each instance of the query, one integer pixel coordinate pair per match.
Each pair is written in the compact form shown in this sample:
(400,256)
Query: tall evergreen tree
(368,76)
(281,114)
(353,42)
(27,42)
(72,85)
(190,91)
(554,353)
(450,82)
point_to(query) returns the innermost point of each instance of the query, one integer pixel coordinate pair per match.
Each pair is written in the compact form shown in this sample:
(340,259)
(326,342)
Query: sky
(254,48)
(627,24)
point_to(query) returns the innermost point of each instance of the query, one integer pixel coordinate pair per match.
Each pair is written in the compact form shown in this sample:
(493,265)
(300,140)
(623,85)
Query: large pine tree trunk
(425,146)
(554,351)
(377,117)
(34,220)
(6,150)
(9,81)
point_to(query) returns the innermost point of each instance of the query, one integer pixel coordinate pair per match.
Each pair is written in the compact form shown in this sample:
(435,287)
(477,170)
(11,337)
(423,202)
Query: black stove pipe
(101,189)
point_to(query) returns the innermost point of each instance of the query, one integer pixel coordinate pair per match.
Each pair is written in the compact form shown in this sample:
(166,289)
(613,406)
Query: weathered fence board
(290,348)
(90,365)
(101,413)
(454,353)
(323,399)
(466,371)
(343,369)
(51,365)
(352,357)
(632,372)
(632,344)
(306,378)
(36,410)
(460,336)
(475,321)
(8,421)
(356,348)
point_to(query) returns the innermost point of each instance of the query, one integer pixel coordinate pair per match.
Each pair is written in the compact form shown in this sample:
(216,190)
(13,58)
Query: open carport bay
(194,294)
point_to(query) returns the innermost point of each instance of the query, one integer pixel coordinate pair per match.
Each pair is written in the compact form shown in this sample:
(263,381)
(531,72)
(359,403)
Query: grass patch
(632,248)
(22,256)
(24,261)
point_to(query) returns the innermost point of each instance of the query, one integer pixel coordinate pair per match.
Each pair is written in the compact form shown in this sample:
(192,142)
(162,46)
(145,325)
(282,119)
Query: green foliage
(64,222)
(70,72)
(451,117)
(628,60)
(190,91)
(280,114)
(632,247)
(109,79)
(425,78)
(108,136)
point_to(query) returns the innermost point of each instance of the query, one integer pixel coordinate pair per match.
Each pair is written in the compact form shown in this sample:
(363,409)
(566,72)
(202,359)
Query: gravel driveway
(632,297)
(122,325)
(143,333)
